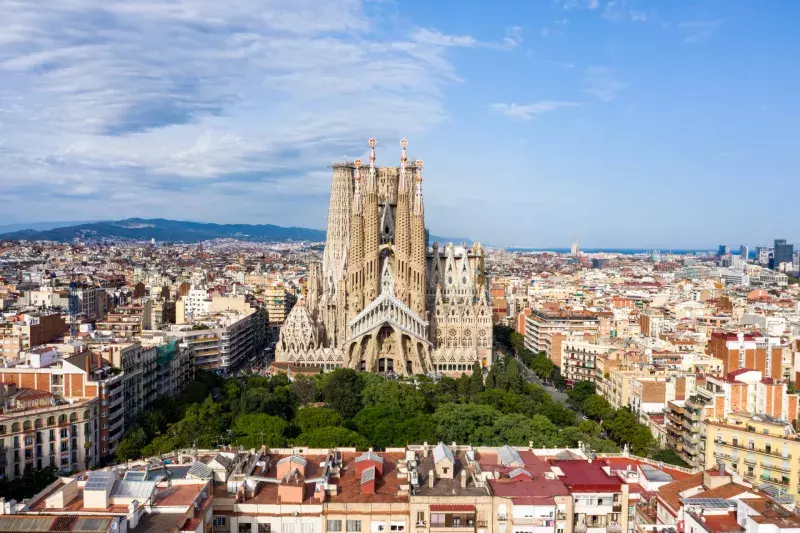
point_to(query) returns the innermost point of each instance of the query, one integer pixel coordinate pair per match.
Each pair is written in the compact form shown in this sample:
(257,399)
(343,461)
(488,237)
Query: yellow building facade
(762,449)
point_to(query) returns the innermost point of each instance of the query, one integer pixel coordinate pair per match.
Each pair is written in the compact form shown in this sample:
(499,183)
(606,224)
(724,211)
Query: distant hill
(40,226)
(444,240)
(168,230)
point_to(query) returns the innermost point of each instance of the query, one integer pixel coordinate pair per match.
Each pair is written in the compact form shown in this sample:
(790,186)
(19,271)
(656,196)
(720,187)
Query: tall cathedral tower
(382,301)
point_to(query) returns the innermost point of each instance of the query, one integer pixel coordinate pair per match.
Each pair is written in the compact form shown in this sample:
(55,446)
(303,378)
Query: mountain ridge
(165,230)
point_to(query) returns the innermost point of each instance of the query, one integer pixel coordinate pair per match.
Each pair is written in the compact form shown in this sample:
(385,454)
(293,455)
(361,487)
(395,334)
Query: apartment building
(29,330)
(578,360)
(126,321)
(743,391)
(649,394)
(650,323)
(761,449)
(223,341)
(419,488)
(527,495)
(139,377)
(39,430)
(446,494)
(278,301)
(541,326)
(600,496)
(140,499)
(747,350)
(175,367)
(91,300)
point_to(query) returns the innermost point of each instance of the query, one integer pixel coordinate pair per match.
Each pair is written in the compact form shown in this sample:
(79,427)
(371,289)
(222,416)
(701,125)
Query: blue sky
(629,123)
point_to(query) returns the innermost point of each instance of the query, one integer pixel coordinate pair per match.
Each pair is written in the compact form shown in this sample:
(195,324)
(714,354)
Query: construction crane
(73,307)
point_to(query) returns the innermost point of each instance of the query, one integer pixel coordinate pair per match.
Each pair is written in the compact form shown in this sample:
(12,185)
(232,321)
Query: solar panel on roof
(519,472)
(368,474)
(91,524)
(508,455)
(135,476)
(708,503)
(200,470)
(97,481)
(134,489)
(442,451)
(370,456)
(654,474)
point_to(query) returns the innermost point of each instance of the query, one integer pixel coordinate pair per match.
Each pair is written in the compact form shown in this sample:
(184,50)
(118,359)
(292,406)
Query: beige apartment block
(761,449)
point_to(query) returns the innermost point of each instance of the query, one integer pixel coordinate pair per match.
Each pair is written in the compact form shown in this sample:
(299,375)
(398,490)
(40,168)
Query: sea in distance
(626,251)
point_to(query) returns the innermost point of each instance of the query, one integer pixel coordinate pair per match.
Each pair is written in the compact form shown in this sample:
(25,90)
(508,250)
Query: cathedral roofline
(352,164)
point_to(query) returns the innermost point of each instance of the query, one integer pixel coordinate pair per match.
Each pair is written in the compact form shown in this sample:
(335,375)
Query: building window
(420,518)
(220,520)
(334,525)
(354,526)
(437,519)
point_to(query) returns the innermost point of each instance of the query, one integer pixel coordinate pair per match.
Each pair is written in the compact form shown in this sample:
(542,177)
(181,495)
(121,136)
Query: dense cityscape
(382,380)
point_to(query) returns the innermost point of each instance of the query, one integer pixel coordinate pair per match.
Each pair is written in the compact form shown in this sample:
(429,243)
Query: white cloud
(122,99)
(700,30)
(530,111)
(513,37)
(579,4)
(601,82)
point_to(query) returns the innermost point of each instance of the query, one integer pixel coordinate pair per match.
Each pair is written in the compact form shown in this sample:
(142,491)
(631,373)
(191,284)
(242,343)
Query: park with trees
(350,408)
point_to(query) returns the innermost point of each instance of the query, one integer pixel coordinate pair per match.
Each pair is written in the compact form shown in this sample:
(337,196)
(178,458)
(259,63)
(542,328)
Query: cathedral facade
(382,300)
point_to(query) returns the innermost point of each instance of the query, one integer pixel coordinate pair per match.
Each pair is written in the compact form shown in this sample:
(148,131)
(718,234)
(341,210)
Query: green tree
(308,418)
(517,341)
(305,389)
(558,414)
(580,392)
(130,447)
(596,407)
(543,367)
(669,456)
(545,433)
(514,376)
(342,392)
(590,428)
(476,379)
(514,430)
(152,421)
(253,430)
(330,437)
(463,423)
(393,395)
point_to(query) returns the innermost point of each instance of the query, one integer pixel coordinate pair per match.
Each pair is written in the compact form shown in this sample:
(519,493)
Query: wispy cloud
(624,10)
(700,30)
(513,37)
(530,111)
(119,101)
(601,82)
(578,4)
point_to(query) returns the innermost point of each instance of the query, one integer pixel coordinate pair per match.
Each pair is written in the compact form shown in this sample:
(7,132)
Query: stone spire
(418,248)
(335,255)
(371,230)
(355,258)
(402,232)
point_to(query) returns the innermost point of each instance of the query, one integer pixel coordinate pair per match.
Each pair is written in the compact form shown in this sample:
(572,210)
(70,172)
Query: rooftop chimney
(463,479)
(425,450)
(431,478)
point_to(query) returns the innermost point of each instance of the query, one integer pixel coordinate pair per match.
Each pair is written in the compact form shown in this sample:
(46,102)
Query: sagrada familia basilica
(383,300)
